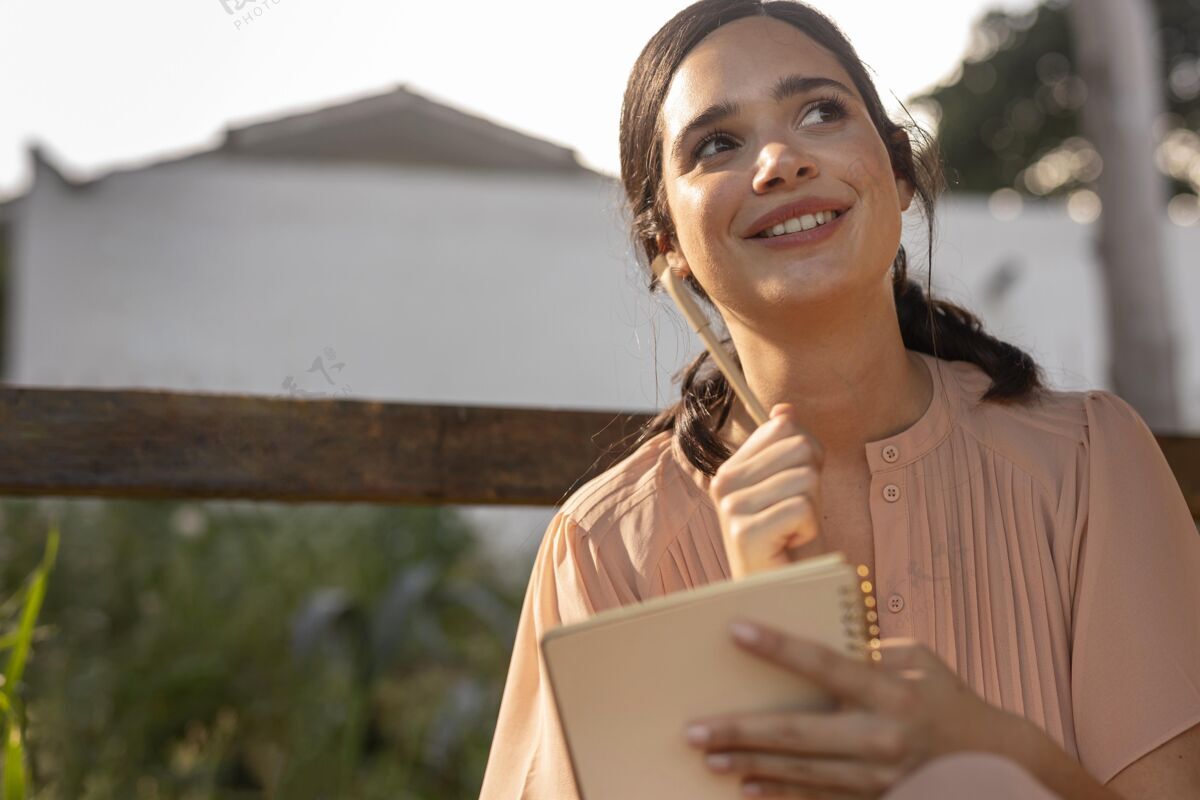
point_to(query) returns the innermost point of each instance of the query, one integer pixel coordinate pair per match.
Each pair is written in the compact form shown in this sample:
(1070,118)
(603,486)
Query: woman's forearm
(1030,746)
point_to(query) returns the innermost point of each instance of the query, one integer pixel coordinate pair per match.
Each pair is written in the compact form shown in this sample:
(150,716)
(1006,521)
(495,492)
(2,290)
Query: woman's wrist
(1022,741)
(1032,748)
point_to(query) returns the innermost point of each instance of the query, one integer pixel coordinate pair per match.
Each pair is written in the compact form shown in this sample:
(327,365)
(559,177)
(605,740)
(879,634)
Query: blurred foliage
(17,639)
(254,650)
(1016,100)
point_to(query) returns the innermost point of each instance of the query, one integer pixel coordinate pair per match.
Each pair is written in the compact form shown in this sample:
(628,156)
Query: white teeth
(802,223)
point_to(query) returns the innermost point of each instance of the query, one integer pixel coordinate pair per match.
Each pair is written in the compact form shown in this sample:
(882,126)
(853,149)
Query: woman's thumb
(780,408)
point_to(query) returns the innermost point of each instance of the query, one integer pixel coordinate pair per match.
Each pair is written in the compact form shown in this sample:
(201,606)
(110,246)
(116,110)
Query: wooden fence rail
(159,444)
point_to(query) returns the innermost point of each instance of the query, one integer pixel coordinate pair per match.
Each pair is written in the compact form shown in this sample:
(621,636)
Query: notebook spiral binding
(860,618)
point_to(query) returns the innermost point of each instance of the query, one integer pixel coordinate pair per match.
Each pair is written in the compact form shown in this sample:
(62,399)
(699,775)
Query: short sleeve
(1135,632)
(528,759)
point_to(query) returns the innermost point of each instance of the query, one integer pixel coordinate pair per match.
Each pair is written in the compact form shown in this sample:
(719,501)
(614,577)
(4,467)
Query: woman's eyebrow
(785,87)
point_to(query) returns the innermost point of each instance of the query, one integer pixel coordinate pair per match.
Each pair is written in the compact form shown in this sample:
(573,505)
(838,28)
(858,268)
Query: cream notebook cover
(627,680)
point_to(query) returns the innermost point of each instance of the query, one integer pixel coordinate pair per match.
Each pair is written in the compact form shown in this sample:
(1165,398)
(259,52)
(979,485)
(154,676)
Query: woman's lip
(810,236)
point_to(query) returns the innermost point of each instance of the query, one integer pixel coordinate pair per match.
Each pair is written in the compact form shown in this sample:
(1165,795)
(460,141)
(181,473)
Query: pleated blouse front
(1045,551)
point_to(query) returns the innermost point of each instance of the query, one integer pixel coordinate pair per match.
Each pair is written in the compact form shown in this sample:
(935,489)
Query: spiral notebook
(627,680)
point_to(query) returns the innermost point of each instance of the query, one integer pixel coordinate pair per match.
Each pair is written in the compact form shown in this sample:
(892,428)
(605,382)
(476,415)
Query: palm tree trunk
(1117,54)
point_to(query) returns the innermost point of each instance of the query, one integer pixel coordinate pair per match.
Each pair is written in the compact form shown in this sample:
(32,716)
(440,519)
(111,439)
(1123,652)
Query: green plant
(236,650)
(19,641)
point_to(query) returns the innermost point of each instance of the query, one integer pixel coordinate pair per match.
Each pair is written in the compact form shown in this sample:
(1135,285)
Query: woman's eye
(834,107)
(711,138)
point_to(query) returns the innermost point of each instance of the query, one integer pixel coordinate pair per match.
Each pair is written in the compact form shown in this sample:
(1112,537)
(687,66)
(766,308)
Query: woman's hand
(894,716)
(767,494)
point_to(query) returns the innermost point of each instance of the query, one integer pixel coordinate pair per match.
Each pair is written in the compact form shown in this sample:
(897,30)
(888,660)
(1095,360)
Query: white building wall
(223,275)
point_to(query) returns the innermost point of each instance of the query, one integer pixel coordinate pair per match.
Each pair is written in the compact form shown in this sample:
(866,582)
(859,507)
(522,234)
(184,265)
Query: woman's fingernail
(697,734)
(753,789)
(719,761)
(746,633)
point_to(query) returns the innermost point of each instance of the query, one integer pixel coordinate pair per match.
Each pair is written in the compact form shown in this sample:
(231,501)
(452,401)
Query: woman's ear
(678,264)
(675,259)
(904,188)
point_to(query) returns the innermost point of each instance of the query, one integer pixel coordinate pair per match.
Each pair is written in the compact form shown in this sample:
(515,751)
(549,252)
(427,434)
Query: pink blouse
(1044,551)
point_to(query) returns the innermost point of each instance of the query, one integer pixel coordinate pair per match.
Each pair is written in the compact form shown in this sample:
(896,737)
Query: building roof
(399,127)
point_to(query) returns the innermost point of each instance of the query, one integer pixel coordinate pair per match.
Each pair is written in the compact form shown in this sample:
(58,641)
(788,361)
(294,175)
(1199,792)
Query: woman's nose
(780,164)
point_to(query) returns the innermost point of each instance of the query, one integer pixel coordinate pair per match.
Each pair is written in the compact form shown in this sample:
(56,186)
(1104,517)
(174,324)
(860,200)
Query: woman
(1034,559)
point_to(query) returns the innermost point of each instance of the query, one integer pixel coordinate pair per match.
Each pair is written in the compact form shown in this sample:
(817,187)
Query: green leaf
(33,605)
(14,763)
(19,641)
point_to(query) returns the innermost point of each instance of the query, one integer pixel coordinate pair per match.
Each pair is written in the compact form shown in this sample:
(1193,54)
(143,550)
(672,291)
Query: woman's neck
(845,396)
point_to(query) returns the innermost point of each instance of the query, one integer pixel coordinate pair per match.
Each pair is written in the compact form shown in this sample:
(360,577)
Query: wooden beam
(1183,454)
(158,444)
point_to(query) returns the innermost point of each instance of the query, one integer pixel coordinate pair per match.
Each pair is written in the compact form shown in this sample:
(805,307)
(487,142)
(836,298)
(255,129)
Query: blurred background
(418,203)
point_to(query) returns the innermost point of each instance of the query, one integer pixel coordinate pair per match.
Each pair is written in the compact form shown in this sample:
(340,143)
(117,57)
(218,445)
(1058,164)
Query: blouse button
(895,603)
(891,493)
(891,453)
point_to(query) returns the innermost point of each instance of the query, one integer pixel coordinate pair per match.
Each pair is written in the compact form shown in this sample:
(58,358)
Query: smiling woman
(1031,547)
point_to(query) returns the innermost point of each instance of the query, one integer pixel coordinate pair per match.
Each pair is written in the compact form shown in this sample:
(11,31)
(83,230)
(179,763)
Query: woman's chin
(808,285)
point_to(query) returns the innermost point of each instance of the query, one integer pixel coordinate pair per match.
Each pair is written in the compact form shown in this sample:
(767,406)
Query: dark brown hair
(928,325)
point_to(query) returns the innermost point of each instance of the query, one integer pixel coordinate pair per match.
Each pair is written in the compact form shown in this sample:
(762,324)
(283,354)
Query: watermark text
(247,12)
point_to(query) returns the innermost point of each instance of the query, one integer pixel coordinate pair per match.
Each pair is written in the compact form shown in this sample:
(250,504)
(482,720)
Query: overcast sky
(106,84)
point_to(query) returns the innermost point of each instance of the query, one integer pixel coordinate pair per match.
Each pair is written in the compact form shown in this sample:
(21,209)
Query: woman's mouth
(823,225)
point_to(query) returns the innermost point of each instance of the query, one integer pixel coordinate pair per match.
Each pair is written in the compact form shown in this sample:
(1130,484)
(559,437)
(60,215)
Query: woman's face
(769,154)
